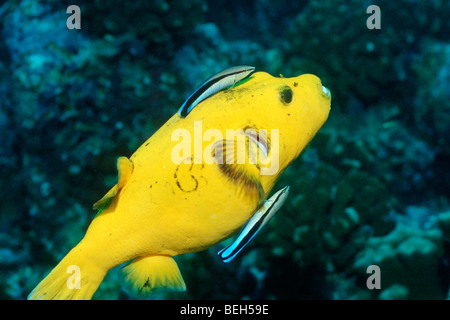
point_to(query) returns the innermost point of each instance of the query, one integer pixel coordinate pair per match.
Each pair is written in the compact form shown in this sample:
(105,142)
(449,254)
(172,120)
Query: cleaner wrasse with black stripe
(171,198)
(214,84)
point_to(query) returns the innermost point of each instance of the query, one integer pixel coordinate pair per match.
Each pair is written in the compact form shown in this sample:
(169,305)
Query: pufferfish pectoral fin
(255,224)
(153,273)
(238,167)
(125,169)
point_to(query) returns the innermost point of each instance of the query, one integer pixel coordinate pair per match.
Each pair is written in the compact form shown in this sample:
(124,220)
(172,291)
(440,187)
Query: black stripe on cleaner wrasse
(214,84)
(255,224)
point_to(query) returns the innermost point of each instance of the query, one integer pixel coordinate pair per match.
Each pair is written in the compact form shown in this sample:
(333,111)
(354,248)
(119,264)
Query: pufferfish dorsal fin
(125,169)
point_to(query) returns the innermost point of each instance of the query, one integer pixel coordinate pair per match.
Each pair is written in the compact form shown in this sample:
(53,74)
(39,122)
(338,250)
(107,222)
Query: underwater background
(371,189)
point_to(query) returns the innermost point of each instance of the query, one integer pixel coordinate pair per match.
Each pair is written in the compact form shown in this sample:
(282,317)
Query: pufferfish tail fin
(154,273)
(74,278)
(125,169)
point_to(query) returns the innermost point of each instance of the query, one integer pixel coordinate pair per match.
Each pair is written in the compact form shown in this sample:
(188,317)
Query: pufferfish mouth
(326,91)
(258,138)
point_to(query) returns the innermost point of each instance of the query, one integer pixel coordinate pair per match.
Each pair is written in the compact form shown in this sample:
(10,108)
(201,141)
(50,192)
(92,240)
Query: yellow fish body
(170,199)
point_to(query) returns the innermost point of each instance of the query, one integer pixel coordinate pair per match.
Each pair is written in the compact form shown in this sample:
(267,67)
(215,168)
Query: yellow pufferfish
(177,197)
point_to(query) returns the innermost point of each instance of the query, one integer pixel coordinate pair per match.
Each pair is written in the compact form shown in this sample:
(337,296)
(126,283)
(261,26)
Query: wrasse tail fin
(154,273)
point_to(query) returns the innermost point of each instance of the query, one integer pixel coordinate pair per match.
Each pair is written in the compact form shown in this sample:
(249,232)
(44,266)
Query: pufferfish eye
(286,94)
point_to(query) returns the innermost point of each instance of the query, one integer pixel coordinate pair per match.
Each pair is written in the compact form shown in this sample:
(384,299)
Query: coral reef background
(371,189)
